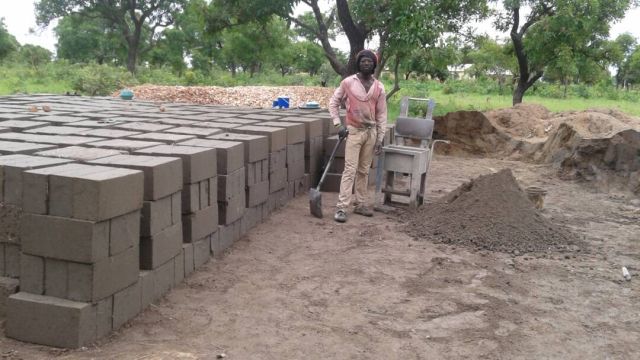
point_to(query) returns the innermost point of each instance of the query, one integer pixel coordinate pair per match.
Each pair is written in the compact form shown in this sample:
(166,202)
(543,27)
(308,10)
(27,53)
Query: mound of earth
(597,144)
(243,96)
(490,213)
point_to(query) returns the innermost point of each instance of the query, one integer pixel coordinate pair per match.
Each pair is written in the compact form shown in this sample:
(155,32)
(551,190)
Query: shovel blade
(315,203)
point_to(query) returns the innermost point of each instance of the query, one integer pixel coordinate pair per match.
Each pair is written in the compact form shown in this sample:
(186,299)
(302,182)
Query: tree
(129,18)
(34,55)
(8,43)
(552,26)
(87,39)
(623,48)
(493,59)
(401,25)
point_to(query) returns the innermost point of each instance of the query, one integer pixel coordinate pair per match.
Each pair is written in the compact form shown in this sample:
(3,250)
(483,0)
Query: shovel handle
(328,164)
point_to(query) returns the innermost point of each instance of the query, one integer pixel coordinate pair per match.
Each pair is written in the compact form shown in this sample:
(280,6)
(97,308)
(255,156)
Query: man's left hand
(378,148)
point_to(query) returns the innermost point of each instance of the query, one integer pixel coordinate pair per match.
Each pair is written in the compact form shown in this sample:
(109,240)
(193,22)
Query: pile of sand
(490,213)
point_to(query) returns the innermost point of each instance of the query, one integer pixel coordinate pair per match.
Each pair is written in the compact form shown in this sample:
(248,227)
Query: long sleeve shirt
(364,109)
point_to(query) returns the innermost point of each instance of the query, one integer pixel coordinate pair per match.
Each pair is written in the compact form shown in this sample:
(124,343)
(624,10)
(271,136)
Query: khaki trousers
(357,161)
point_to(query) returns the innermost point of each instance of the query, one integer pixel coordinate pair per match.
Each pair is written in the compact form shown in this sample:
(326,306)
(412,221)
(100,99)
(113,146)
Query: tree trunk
(518,93)
(396,83)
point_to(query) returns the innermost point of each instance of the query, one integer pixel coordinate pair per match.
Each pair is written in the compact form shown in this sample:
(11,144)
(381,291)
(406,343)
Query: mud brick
(198,163)
(147,292)
(11,260)
(167,138)
(123,144)
(162,175)
(190,198)
(65,238)
(110,133)
(277,160)
(21,125)
(295,131)
(8,287)
(49,139)
(226,237)
(312,126)
(157,215)
(126,304)
(142,126)
(79,153)
(217,125)
(198,224)
(56,278)
(163,278)
(277,135)
(200,132)
(9,225)
(277,180)
(329,144)
(47,320)
(32,274)
(124,232)
(11,169)
(315,147)
(187,255)
(58,130)
(92,282)
(295,153)
(14,147)
(178,268)
(256,172)
(256,147)
(36,200)
(201,251)
(230,153)
(159,248)
(295,170)
(96,196)
(257,193)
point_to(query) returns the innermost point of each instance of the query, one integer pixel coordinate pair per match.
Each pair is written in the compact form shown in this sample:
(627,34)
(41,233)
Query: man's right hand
(342,132)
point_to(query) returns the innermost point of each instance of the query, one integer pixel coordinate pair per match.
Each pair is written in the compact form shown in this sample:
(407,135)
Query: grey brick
(79,153)
(92,282)
(198,163)
(167,138)
(277,136)
(14,147)
(162,175)
(230,154)
(199,224)
(178,269)
(295,131)
(201,251)
(156,216)
(190,198)
(163,278)
(187,255)
(146,279)
(124,232)
(127,304)
(50,321)
(65,238)
(161,247)
(257,193)
(32,274)
(256,147)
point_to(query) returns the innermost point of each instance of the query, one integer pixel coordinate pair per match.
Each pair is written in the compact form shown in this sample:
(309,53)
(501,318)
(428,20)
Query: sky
(19,18)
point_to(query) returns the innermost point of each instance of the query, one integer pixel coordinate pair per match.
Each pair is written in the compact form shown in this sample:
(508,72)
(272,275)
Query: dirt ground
(297,287)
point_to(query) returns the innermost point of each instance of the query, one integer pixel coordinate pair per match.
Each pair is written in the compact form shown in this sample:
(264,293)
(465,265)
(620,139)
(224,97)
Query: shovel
(315,196)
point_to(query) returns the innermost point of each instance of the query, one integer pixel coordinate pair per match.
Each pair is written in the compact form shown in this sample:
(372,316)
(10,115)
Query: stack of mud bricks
(256,158)
(79,254)
(231,195)
(11,209)
(277,172)
(199,200)
(197,179)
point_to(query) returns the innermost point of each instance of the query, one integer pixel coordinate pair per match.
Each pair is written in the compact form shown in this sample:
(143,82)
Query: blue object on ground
(126,94)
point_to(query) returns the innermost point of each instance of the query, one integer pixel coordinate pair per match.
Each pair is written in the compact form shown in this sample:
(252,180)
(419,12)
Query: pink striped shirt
(363,108)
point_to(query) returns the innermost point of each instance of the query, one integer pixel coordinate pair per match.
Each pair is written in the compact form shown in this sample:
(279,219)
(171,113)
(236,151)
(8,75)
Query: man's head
(366,61)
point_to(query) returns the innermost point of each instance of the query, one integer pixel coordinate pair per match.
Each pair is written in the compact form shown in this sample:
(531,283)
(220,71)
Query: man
(365,126)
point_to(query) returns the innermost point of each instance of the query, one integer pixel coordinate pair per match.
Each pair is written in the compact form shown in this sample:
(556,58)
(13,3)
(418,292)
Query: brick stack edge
(108,204)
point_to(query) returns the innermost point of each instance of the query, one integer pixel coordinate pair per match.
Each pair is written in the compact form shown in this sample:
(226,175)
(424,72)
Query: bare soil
(297,287)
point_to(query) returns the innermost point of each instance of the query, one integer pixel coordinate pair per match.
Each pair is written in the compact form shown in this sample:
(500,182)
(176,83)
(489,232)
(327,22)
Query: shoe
(363,210)
(340,216)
